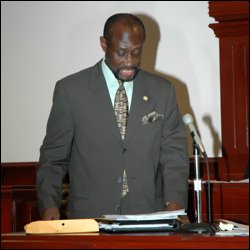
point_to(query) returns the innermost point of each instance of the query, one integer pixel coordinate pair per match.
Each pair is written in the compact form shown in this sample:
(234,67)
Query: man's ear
(103,43)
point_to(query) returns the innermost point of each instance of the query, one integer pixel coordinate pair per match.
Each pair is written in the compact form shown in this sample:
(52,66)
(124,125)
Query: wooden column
(232,30)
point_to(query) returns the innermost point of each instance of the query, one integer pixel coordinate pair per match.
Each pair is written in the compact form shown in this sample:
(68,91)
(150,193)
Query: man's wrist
(170,206)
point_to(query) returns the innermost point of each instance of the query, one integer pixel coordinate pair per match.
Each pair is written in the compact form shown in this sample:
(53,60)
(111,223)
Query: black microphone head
(187,118)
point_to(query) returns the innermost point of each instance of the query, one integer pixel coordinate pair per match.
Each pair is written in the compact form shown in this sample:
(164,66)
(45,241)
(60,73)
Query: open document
(158,221)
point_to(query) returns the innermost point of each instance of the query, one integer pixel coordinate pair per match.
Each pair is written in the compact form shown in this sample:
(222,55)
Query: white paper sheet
(162,215)
(228,227)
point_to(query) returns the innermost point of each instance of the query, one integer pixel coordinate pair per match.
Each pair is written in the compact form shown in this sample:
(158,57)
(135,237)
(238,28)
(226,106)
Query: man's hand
(176,206)
(51,213)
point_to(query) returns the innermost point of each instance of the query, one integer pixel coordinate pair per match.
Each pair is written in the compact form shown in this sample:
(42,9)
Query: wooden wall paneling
(18,173)
(26,210)
(232,30)
(19,205)
(6,209)
(228,201)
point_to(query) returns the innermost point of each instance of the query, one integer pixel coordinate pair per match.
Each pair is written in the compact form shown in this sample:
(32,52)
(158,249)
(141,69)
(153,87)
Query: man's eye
(137,52)
(121,53)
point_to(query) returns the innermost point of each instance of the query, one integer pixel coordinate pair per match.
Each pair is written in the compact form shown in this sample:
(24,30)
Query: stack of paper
(158,221)
(162,215)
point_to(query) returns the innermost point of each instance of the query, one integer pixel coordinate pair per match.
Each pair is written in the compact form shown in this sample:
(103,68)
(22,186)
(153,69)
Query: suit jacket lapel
(102,104)
(139,105)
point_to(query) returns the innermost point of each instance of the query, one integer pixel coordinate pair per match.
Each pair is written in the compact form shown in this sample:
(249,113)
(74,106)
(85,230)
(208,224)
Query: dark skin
(123,56)
(123,52)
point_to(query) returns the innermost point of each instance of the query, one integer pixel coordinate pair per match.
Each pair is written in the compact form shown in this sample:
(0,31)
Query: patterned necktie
(121,113)
(121,109)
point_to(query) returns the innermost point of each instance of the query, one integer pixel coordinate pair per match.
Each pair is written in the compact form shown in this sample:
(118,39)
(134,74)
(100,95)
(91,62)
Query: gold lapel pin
(145,98)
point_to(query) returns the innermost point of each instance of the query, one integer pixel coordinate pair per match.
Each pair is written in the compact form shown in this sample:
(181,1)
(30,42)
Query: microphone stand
(197,227)
(197,183)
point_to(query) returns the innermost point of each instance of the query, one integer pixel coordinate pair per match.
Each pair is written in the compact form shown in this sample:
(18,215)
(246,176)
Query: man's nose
(128,62)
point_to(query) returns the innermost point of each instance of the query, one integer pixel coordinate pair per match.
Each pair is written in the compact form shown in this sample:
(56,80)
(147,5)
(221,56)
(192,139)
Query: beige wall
(45,41)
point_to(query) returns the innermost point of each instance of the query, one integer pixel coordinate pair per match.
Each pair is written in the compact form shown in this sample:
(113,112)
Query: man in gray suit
(83,138)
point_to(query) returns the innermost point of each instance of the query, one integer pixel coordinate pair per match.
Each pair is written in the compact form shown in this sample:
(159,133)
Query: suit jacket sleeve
(55,152)
(174,154)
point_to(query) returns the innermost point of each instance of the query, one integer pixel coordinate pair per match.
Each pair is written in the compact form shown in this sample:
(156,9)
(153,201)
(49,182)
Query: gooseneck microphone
(188,120)
(198,227)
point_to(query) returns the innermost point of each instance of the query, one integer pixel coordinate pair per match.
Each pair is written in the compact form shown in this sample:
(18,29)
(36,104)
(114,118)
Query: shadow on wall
(217,144)
(148,63)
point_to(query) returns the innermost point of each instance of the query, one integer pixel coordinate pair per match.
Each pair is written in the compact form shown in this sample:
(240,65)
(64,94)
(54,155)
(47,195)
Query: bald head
(122,19)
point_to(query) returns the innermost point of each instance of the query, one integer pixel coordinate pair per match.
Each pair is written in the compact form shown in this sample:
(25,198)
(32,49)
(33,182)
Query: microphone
(188,120)
(198,227)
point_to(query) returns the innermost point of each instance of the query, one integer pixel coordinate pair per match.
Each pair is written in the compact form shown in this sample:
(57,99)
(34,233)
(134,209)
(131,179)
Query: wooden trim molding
(24,173)
(229,10)
(147,240)
(229,29)
(18,173)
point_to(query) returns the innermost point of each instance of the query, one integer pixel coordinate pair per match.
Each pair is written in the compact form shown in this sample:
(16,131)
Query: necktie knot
(121,86)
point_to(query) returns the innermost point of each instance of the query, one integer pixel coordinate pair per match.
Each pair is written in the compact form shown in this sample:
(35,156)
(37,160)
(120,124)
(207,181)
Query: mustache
(131,68)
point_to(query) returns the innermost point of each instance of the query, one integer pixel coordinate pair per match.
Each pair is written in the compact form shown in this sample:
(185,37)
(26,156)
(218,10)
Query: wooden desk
(122,241)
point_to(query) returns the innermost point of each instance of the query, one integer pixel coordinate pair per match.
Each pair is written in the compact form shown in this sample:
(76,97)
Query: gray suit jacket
(83,138)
